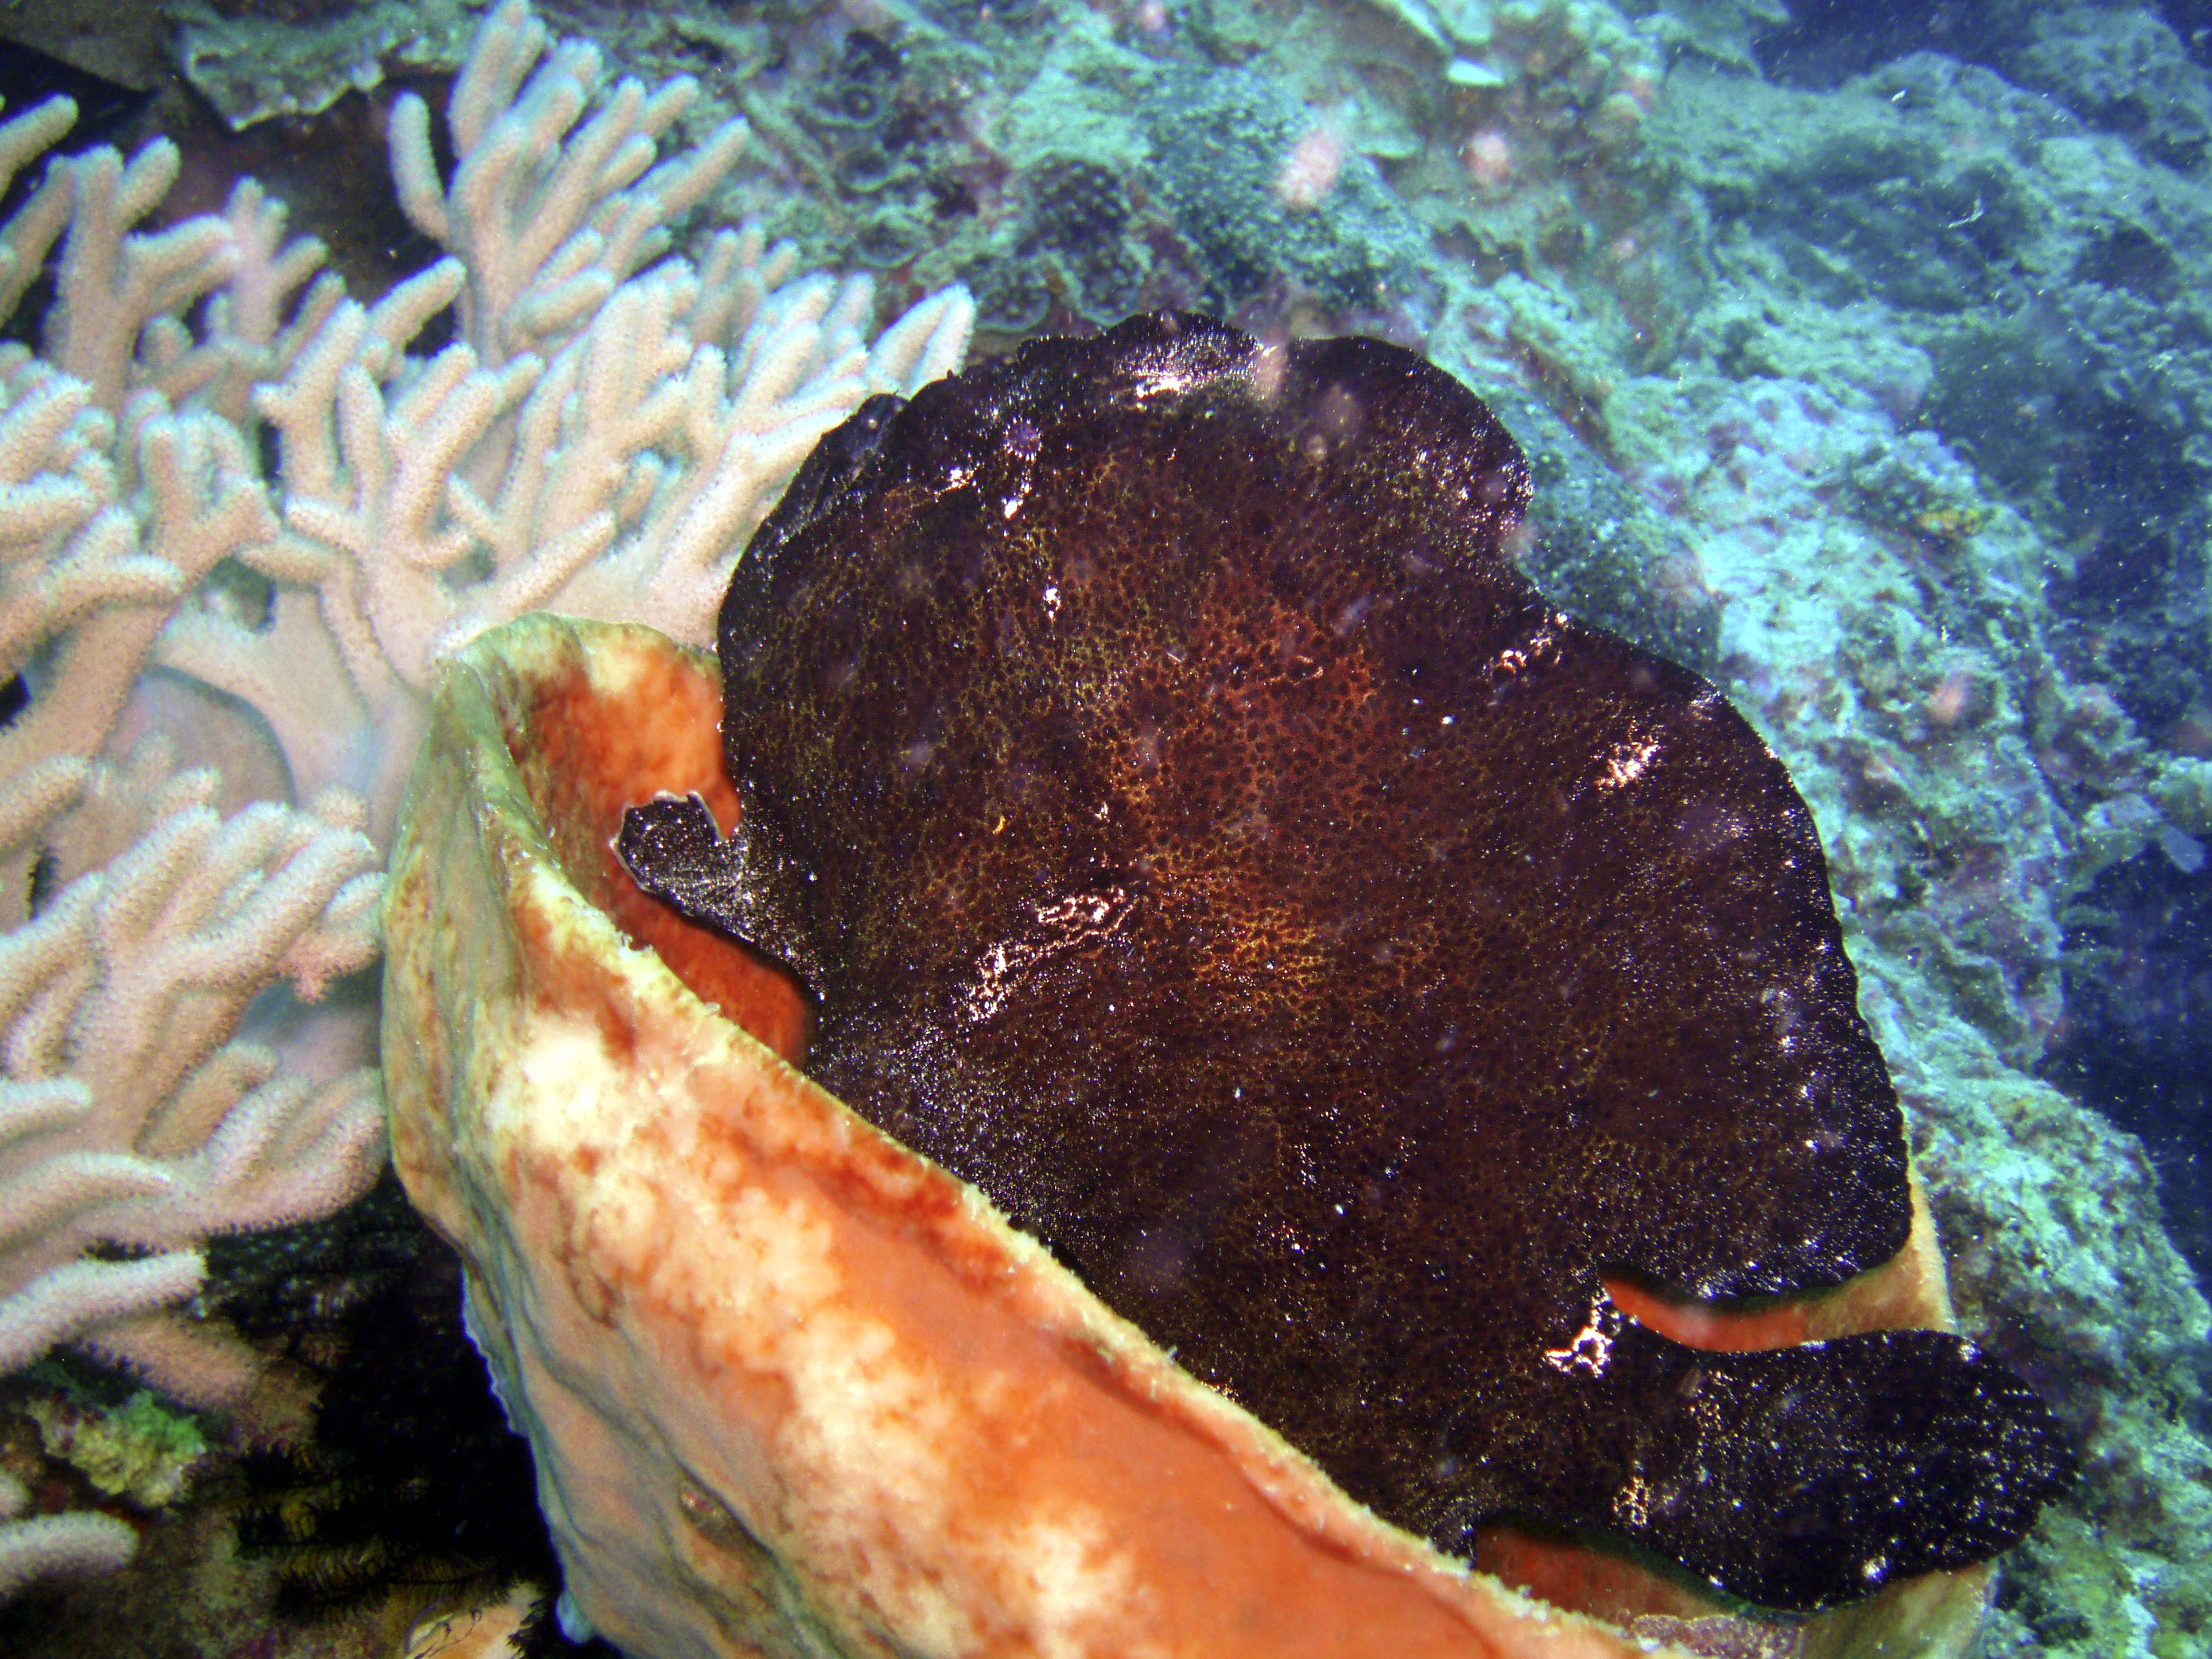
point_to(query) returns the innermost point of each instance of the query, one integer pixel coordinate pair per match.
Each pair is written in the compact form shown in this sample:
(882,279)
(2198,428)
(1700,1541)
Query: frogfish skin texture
(1195,832)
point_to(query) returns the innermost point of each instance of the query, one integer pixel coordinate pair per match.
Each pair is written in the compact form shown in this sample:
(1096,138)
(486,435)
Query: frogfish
(1189,826)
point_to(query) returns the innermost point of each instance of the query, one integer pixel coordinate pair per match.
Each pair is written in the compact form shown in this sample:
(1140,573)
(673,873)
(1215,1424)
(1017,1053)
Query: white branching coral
(42,1546)
(600,440)
(127,1117)
(606,429)
(132,1125)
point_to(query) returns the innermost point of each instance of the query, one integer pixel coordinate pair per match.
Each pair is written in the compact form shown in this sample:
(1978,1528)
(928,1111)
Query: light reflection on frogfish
(1196,833)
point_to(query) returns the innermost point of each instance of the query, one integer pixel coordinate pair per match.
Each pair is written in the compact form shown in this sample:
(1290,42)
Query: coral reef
(141,1449)
(600,436)
(1939,489)
(1881,399)
(141,920)
(2041,267)
(255,63)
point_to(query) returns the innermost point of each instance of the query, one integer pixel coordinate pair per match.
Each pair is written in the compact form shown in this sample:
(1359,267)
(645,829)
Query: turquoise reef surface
(1863,357)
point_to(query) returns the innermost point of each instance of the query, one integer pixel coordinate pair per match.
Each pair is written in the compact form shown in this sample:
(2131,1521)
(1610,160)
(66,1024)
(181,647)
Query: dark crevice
(2136,1041)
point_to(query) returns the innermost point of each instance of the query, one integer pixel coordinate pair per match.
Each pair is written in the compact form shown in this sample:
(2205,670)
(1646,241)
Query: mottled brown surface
(1216,851)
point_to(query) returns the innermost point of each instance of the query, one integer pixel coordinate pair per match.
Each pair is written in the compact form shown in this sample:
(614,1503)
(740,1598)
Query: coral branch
(602,435)
(55,1546)
(27,236)
(548,217)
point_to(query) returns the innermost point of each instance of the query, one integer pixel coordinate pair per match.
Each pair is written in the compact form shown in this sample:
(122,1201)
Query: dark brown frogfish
(1196,833)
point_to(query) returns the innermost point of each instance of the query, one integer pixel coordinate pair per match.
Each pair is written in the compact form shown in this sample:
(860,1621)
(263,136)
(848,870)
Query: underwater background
(1862,354)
